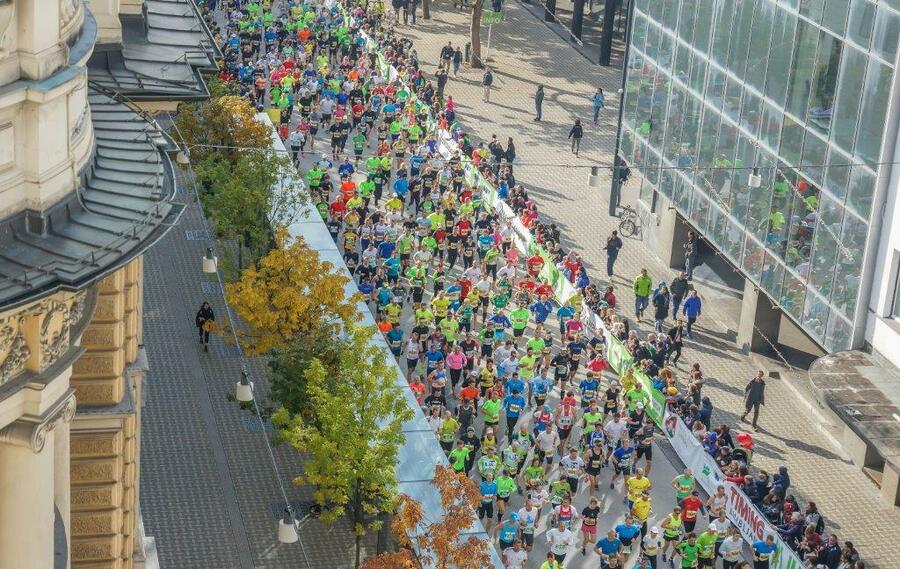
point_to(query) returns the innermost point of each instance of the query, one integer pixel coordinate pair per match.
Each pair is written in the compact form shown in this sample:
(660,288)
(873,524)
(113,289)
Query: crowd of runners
(517,391)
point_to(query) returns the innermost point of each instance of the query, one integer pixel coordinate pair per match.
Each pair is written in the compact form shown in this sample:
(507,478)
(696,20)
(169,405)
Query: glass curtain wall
(798,89)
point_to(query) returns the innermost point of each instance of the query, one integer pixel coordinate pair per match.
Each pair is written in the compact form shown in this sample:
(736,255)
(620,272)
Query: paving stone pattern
(207,482)
(525,53)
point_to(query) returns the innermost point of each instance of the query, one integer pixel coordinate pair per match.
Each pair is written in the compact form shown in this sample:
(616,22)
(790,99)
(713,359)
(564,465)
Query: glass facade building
(799,89)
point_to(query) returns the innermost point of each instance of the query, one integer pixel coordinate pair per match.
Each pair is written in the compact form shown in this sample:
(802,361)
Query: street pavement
(524,53)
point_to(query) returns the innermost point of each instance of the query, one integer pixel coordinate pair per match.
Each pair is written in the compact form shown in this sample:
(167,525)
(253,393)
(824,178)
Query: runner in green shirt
(458,456)
(636,395)
(414,131)
(505,487)
(707,542)
(491,410)
(373,163)
(690,551)
(683,485)
(359,142)
(519,320)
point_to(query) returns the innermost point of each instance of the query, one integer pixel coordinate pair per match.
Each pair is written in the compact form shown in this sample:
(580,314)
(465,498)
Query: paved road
(524,53)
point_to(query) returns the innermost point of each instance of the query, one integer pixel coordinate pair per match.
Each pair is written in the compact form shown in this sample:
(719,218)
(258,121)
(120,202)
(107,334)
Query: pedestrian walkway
(525,53)
(209,494)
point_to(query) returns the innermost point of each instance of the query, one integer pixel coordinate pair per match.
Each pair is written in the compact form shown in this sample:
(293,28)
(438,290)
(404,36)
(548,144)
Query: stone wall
(105,432)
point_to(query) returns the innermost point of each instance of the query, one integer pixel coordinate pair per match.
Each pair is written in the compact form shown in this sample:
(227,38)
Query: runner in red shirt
(535,262)
(689,508)
(470,391)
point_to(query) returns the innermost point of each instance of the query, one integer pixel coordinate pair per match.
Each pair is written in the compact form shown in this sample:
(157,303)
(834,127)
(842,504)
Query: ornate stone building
(86,186)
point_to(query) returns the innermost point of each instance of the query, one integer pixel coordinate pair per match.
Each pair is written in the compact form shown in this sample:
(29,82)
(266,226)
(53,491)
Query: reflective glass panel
(780,50)
(862,17)
(703,25)
(821,97)
(815,316)
(722,31)
(802,68)
(687,19)
(838,175)
(759,45)
(887,29)
(835,17)
(846,109)
(872,119)
(862,188)
(740,40)
(791,141)
(813,161)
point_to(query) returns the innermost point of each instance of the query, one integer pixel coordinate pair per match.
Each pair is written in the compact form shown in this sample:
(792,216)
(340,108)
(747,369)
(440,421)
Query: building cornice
(31,432)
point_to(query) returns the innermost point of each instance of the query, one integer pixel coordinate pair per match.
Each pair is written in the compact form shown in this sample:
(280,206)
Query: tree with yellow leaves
(223,124)
(440,543)
(353,439)
(290,292)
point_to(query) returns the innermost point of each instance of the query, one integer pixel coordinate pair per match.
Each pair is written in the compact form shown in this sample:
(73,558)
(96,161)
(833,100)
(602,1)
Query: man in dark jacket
(486,81)
(754,396)
(538,102)
(613,244)
(679,290)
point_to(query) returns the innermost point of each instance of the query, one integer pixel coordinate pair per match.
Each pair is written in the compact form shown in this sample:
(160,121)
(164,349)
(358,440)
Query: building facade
(86,186)
(800,93)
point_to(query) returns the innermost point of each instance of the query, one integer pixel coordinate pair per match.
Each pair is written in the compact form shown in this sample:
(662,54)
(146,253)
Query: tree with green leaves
(354,436)
(244,199)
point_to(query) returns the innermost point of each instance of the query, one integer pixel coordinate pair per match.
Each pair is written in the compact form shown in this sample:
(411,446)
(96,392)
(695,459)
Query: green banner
(490,17)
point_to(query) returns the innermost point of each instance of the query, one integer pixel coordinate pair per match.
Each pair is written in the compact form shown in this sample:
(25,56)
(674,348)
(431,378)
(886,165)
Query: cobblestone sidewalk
(525,53)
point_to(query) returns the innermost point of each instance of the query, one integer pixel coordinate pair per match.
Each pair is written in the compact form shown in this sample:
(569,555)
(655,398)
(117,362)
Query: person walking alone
(486,81)
(538,102)
(613,245)
(643,284)
(598,99)
(205,320)
(576,134)
(691,309)
(457,61)
(690,254)
(754,396)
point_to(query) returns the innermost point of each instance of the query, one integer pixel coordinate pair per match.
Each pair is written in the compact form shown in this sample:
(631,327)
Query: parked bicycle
(628,221)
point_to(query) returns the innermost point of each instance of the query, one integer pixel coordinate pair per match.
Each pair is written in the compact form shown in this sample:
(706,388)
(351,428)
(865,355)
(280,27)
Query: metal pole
(490,29)
(615,189)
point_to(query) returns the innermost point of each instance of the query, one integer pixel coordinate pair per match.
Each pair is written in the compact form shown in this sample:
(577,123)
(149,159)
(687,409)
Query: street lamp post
(615,188)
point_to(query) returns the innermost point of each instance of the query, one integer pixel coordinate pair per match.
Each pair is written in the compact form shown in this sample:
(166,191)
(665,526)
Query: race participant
(506,485)
(690,508)
(627,531)
(590,419)
(515,557)
(593,461)
(762,552)
(644,438)
(546,443)
(564,514)
(707,542)
(560,538)
(609,548)
(641,510)
(673,529)
(458,456)
(683,485)
(488,489)
(623,461)
(488,465)
(650,546)
(528,516)
(731,550)
(573,469)
(615,430)
(589,517)
(566,415)
(637,485)
(506,533)
(689,550)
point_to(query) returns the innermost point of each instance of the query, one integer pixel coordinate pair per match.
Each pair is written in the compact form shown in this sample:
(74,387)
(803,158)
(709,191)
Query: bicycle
(628,221)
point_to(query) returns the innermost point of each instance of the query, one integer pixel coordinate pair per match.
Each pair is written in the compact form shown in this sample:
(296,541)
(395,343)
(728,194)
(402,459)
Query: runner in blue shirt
(541,309)
(564,314)
(623,459)
(513,384)
(607,547)
(401,187)
(488,490)
(346,169)
(762,552)
(539,388)
(392,267)
(501,323)
(626,533)
(588,387)
(386,249)
(432,357)
(513,404)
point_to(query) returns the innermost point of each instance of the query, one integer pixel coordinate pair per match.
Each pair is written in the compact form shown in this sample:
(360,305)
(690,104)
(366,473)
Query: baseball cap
(654,529)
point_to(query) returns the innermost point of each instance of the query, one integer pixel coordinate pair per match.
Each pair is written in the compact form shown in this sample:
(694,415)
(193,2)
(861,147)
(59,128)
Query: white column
(26,502)
(61,484)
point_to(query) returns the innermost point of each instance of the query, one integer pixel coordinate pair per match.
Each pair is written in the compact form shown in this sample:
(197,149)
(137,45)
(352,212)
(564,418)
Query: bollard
(594,177)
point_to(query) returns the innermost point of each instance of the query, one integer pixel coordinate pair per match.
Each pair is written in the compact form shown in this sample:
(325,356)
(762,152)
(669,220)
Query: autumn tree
(354,438)
(289,292)
(475,34)
(439,543)
(248,198)
(224,124)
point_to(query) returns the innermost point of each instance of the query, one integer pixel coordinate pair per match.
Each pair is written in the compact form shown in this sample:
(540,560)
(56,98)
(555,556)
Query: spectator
(612,248)
(576,133)
(678,289)
(692,309)
(754,396)
(597,101)
(538,102)
(705,412)
(486,81)
(642,286)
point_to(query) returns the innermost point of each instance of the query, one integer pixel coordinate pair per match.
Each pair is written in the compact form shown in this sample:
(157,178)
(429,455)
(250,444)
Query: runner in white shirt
(731,550)
(614,429)
(515,557)
(473,273)
(528,516)
(546,442)
(721,525)
(716,503)
(508,272)
(560,540)
(651,544)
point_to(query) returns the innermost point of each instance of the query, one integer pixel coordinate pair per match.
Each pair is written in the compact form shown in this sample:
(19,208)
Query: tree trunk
(426,9)
(475,35)
(357,523)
